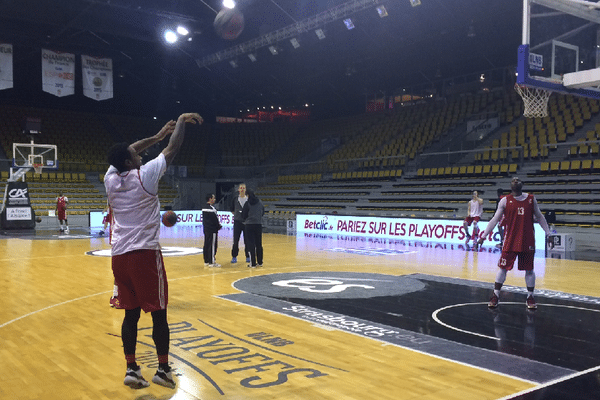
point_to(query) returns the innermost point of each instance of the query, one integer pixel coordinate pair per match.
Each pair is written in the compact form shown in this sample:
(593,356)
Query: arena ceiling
(412,45)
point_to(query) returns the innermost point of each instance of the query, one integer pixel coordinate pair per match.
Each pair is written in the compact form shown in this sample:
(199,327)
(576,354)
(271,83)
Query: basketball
(38,219)
(229,23)
(169,219)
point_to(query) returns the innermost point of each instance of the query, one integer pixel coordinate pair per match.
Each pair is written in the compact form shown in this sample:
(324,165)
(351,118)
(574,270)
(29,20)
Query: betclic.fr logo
(321,225)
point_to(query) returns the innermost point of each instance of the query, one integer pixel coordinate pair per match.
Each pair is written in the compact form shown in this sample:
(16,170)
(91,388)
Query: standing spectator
(211,227)
(474,211)
(519,210)
(252,213)
(62,202)
(237,205)
(137,261)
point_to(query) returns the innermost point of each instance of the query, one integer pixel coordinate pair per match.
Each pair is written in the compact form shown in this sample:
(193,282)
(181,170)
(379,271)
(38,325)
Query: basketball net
(38,168)
(535,100)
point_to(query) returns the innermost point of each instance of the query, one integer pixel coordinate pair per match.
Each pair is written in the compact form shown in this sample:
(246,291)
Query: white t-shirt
(476,208)
(133,197)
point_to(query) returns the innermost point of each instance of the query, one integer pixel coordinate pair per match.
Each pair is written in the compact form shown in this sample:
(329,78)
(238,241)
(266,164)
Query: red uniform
(61,207)
(519,237)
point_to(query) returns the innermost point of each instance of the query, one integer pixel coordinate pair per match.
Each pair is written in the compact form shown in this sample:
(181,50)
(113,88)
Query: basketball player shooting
(137,262)
(519,210)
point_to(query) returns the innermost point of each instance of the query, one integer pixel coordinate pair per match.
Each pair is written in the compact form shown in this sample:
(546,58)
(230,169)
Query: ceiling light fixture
(381,11)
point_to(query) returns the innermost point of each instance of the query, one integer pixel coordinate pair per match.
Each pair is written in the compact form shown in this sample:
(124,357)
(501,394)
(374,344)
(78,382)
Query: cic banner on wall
(97,77)
(58,73)
(6,66)
(428,230)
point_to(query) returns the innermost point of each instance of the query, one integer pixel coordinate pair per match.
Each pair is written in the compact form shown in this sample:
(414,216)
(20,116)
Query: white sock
(115,291)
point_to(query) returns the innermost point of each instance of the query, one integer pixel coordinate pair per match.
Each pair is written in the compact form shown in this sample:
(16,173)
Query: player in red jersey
(518,210)
(61,211)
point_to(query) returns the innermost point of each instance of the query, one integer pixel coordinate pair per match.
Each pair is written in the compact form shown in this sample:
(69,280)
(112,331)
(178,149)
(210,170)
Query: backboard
(560,48)
(27,154)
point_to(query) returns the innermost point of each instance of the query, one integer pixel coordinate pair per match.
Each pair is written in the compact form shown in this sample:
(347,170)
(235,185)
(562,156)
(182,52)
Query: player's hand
(166,130)
(192,118)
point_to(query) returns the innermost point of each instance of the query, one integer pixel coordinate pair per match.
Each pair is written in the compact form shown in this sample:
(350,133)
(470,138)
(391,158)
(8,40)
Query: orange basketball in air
(169,219)
(229,23)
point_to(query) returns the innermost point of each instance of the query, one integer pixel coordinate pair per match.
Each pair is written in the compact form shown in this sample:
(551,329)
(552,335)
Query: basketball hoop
(38,168)
(535,100)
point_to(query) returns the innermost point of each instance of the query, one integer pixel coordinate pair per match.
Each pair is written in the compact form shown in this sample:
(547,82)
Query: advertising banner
(17,213)
(184,218)
(58,73)
(429,230)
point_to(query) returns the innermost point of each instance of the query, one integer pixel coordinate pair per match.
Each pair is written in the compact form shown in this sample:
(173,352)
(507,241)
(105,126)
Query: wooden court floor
(313,323)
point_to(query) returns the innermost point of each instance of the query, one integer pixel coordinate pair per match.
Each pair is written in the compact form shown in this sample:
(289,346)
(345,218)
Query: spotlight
(252,57)
(320,34)
(415,3)
(349,24)
(182,30)
(170,36)
(229,3)
(233,64)
(273,50)
(382,11)
(295,43)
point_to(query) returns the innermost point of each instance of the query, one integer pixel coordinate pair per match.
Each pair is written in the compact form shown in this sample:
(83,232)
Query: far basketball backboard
(560,50)
(25,155)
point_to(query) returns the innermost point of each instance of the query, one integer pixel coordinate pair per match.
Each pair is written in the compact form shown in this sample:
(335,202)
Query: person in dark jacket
(236,208)
(211,227)
(252,214)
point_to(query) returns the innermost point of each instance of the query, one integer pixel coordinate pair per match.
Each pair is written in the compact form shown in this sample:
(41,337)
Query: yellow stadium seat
(575,167)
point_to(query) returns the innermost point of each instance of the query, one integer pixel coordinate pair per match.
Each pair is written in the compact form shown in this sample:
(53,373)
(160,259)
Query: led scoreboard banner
(429,230)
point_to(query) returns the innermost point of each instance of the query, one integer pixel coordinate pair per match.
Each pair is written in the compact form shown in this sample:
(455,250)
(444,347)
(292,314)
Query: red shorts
(470,220)
(507,260)
(142,280)
(62,215)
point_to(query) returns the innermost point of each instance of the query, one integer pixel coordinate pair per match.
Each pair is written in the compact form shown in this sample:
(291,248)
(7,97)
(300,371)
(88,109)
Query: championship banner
(97,77)
(428,230)
(58,73)
(6,66)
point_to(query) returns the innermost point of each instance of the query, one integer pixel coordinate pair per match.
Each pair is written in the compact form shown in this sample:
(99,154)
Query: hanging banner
(6,66)
(97,77)
(58,73)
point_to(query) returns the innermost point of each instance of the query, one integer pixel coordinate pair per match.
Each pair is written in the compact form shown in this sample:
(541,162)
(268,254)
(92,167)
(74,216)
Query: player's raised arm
(176,139)
(143,144)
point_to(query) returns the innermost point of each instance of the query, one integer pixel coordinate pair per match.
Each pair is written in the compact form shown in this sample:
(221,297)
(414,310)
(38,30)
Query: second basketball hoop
(535,100)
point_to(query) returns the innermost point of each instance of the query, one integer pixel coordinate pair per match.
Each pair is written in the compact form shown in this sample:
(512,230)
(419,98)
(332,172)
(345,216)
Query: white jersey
(476,208)
(133,198)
